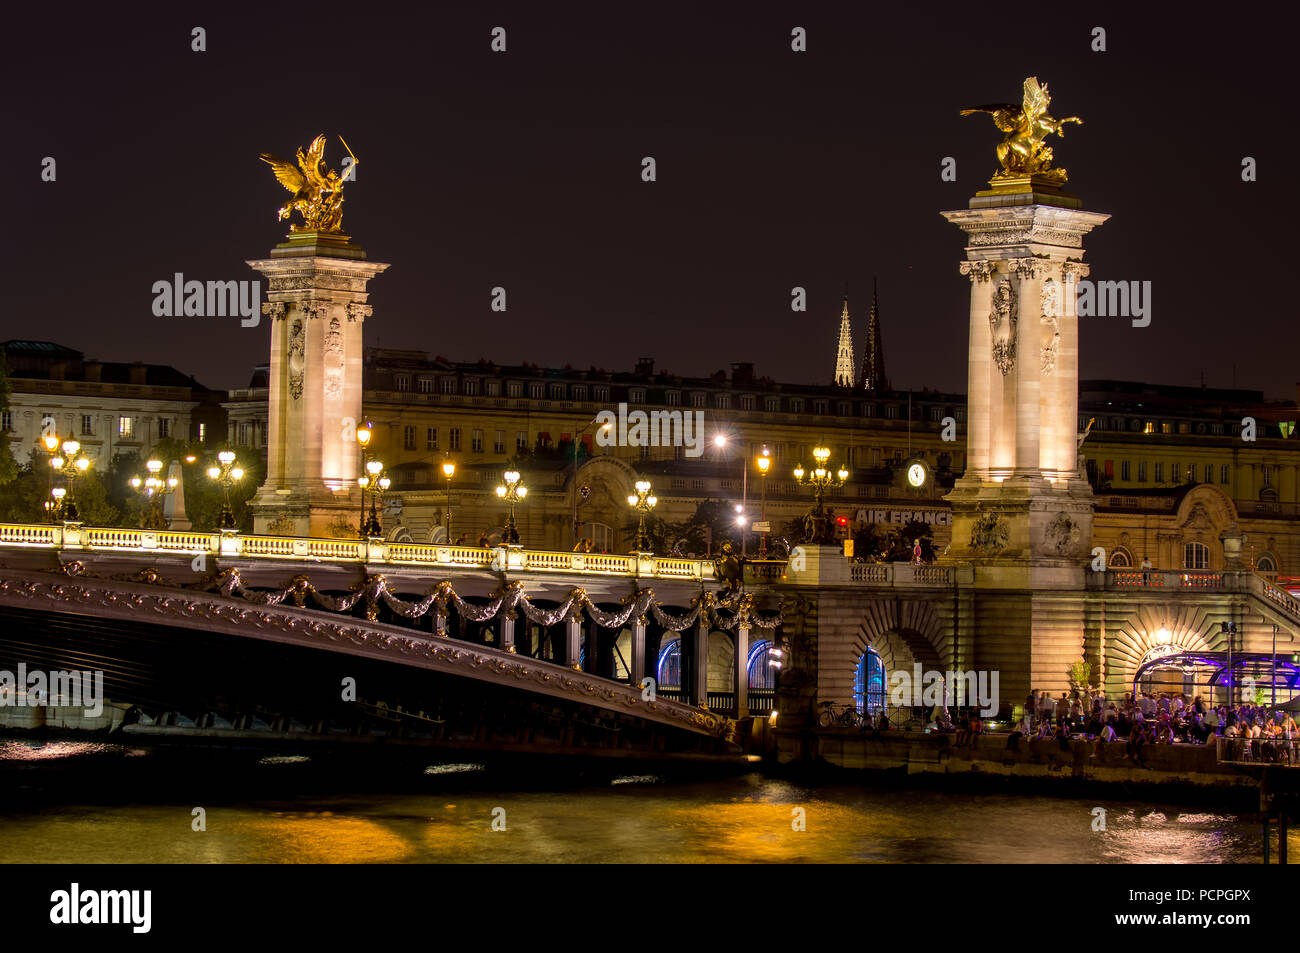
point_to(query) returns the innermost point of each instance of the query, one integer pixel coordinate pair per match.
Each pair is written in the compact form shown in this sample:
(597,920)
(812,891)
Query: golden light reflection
(323,839)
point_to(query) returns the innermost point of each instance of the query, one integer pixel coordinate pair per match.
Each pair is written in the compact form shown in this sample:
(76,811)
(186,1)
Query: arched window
(1266,563)
(762,676)
(669,670)
(602,537)
(869,683)
(1196,556)
(1121,558)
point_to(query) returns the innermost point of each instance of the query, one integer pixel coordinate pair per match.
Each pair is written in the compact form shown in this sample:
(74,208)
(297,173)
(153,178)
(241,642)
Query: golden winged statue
(1022,152)
(317,190)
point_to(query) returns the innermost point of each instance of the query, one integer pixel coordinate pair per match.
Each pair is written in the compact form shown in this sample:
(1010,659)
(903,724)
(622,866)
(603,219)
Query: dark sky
(522,170)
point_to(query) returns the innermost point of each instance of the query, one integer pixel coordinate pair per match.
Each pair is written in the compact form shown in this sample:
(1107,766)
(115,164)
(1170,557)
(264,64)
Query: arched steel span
(132,600)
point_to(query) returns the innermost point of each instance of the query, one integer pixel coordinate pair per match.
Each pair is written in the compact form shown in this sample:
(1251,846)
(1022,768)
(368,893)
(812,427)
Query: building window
(1209,473)
(126,428)
(514,389)
(759,668)
(796,405)
(869,684)
(431,438)
(453,439)
(891,412)
(669,669)
(492,388)
(819,406)
(673,398)
(164,426)
(87,425)
(408,438)
(1266,563)
(242,432)
(203,432)
(1142,471)
(557,392)
(1119,559)
(936,414)
(602,394)
(1196,556)
(747,402)
(1123,470)
(499,442)
(448,385)
(697,399)
(723,401)
(471,387)
(7,420)
(476,441)
(636,396)
(1268,474)
(868,410)
(1160,473)
(772,404)
(424,385)
(403,382)
(521,440)
(536,391)
(697,485)
(1225,473)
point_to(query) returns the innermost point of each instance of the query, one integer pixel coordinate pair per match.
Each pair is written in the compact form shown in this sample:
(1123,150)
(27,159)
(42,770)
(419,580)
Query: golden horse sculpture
(317,191)
(1022,152)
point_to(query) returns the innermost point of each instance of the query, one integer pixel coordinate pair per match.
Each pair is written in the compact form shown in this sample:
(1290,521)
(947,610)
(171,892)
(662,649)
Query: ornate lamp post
(377,483)
(364,433)
(764,463)
(55,507)
(227,473)
(513,491)
(449,471)
(155,488)
(71,463)
(816,528)
(643,502)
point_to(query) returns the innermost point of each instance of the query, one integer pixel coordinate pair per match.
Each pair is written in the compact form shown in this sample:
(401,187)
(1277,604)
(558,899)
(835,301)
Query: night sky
(522,169)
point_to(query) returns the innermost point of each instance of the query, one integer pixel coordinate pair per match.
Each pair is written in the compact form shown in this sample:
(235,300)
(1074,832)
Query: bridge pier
(637,661)
(740,671)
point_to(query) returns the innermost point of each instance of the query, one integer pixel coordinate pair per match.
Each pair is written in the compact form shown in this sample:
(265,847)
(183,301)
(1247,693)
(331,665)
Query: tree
(900,543)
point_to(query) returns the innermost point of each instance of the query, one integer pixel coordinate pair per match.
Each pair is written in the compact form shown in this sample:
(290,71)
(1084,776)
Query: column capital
(979,270)
(358,311)
(275,310)
(1074,270)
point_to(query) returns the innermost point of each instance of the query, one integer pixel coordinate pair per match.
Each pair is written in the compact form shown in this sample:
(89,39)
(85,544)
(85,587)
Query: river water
(76,802)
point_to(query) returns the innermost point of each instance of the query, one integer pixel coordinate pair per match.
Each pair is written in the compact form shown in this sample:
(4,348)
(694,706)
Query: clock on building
(916,475)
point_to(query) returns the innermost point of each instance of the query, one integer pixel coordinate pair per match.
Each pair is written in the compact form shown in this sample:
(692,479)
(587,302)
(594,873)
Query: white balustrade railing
(73,537)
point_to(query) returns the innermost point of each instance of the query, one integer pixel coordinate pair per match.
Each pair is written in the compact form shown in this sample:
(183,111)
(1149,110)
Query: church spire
(844,354)
(873,356)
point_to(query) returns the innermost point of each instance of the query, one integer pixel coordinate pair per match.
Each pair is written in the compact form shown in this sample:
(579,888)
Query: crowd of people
(1263,732)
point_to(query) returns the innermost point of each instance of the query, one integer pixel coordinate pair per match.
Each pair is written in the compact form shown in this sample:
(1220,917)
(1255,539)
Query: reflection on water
(446,816)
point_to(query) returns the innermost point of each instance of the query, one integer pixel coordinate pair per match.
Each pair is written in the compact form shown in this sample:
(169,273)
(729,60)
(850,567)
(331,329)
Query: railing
(901,574)
(73,536)
(1164,579)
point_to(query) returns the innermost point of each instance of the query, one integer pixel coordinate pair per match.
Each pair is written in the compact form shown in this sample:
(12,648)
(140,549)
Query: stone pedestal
(1023,510)
(316,299)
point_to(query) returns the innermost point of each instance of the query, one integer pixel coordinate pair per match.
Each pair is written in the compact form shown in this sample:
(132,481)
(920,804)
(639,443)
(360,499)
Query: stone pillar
(979,366)
(637,661)
(700,663)
(741,671)
(316,300)
(174,502)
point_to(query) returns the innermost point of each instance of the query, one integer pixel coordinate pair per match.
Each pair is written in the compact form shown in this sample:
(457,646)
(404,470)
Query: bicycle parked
(847,716)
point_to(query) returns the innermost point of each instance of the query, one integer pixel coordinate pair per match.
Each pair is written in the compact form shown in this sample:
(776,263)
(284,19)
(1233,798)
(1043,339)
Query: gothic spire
(873,357)
(844,353)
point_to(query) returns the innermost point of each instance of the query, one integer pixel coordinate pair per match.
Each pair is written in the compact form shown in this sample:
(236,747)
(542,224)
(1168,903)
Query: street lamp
(364,433)
(574,483)
(820,479)
(55,508)
(643,502)
(71,463)
(154,489)
(449,471)
(377,483)
(226,473)
(764,463)
(512,492)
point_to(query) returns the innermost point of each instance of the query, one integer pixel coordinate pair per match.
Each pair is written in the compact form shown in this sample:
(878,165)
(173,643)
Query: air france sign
(932,517)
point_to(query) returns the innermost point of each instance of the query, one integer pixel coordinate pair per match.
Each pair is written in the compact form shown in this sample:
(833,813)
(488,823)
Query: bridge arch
(901,632)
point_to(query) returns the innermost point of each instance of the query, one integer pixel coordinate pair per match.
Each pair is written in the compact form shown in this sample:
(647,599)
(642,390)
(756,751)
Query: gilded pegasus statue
(1022,152)
(317,191)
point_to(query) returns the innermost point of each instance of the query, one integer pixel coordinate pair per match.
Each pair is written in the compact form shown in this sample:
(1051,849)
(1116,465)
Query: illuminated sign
(932,517)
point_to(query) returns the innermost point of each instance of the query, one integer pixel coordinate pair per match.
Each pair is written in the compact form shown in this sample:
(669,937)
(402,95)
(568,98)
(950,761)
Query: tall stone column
(316,300)
(1022,511)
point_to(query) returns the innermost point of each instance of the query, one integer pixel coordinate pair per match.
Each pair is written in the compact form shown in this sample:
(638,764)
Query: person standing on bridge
(1146,570)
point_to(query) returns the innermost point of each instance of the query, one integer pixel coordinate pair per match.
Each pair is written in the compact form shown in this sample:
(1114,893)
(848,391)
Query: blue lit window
(869,683)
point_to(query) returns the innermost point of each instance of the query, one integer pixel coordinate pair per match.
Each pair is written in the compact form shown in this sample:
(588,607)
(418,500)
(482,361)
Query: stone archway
(903,632)
(609,481)
(1202,514)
